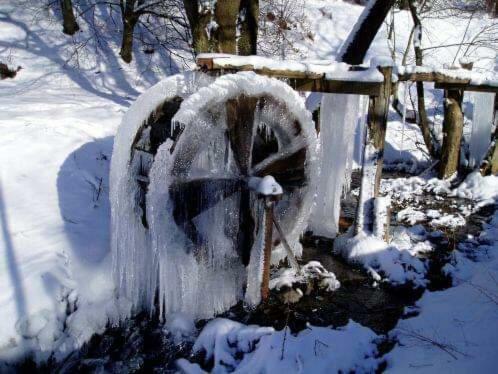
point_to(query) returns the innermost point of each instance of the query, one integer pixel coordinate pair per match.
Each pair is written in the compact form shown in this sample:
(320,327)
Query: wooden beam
(336,86)
(446,81)
(466,87)
(373,154)
(298,79)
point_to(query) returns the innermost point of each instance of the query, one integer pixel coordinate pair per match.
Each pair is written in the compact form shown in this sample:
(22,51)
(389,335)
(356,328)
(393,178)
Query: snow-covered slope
(57,123)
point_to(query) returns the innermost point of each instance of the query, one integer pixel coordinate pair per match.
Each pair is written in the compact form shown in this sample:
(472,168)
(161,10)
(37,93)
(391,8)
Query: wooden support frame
(446,81)
(379,92)
(373,154)
(298,79)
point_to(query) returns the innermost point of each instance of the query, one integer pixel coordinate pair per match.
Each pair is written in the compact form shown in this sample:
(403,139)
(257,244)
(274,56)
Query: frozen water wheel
(250,137)
(220,148)
(185,221)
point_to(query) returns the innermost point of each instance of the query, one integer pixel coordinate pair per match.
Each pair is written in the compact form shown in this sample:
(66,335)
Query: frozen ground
(57,124)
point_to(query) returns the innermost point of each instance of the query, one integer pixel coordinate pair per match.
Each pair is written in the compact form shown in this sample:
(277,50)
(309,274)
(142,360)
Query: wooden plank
(373,154)
(446,82)
(433,76)
(466,87)
(299,80)
(268,234)
(336,86)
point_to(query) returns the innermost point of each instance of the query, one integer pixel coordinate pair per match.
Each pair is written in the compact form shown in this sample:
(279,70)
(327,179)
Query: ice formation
(202,275)
(131,250)
(482,122)
(338,120)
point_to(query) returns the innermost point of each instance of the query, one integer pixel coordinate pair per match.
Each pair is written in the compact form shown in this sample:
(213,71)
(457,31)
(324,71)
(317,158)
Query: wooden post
(452,133)
(373,154)
(268,241)
(452,130)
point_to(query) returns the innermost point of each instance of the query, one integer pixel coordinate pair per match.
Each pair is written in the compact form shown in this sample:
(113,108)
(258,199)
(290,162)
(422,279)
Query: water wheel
(194,196)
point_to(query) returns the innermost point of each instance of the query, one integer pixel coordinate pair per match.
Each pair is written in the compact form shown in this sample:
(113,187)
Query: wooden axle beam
(446,81)
(298,79)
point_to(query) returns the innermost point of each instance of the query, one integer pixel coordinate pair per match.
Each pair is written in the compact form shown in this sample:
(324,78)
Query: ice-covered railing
(327,69)
(337,77)
(458,76)
(314,75)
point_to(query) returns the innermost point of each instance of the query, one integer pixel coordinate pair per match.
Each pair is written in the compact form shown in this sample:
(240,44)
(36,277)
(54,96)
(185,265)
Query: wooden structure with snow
(214,174)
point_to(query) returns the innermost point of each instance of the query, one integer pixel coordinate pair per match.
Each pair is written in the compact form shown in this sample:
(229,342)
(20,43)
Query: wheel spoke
(198,195)
(286,167)
(245,235)
(240,123)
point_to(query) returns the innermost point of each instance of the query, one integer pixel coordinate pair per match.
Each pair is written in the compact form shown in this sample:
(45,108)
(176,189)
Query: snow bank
(456,329)
(383,261)
(235,347)
(483,190)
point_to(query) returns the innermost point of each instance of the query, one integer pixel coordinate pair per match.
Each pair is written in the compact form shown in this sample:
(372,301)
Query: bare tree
(199,16)
(226,13)
(69,24)
(423,121)
(282,25)
(248,26)
(214,26)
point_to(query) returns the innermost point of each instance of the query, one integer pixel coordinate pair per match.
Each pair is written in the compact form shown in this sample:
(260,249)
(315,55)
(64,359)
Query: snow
(464,75)
(456,329)
(181,327)
(382,207)
(266,186)
(240,348)
(482,190)
(382,260)
(56,135)
(411,215)
(331,70)
(286,278)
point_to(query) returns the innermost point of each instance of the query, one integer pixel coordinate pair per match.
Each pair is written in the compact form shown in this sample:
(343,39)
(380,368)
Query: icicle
(338,119)
(406,88)
(359,141)
(482,123)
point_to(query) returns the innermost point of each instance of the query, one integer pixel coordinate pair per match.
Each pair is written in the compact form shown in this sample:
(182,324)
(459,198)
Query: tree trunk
(452,133)
(129,21)
(247,43)
(226,13)
(69,24)
(423,121)
(358,43)
(198,24)
(492,6)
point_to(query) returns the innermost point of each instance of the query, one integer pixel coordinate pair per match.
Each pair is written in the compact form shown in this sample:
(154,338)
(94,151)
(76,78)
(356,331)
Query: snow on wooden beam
(316,76)
(461,79)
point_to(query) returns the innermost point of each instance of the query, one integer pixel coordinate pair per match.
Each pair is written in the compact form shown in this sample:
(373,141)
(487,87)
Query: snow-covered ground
(57,124)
